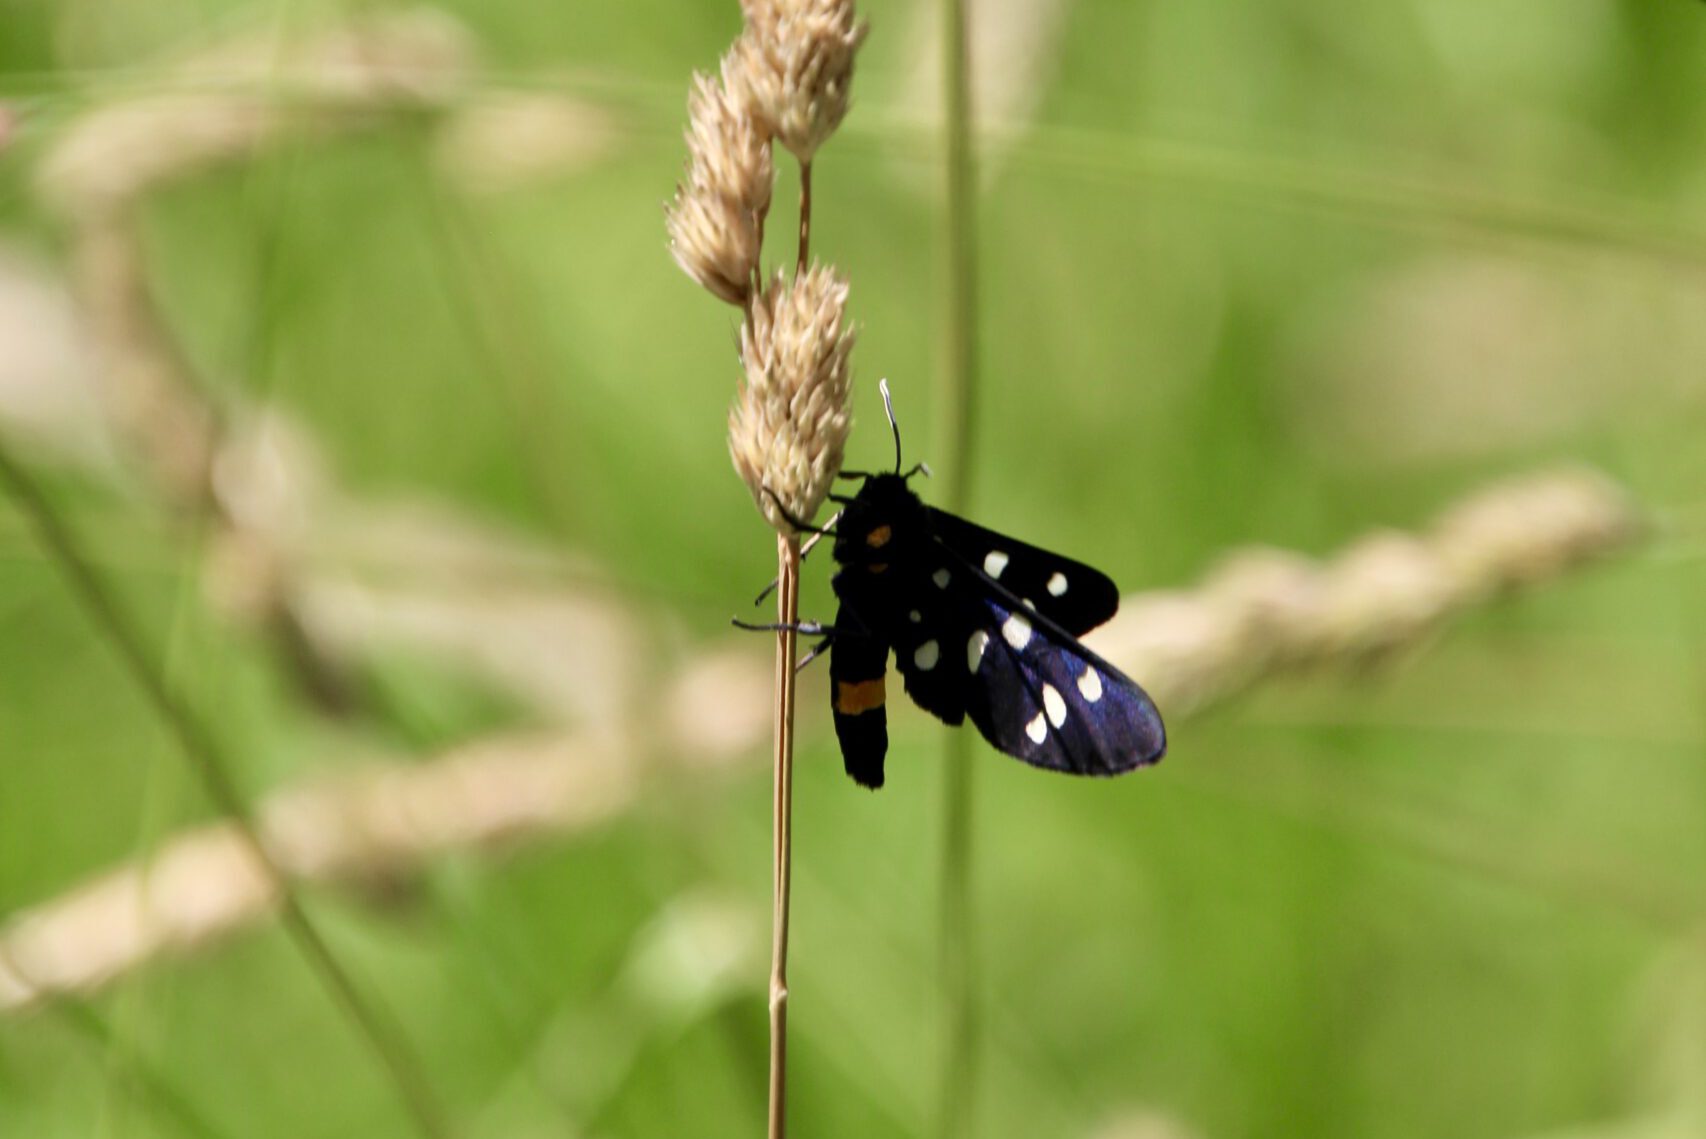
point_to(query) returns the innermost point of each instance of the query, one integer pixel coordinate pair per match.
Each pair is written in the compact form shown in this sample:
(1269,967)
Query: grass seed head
(727,154)
(789,425)
(792,68)
(716,222)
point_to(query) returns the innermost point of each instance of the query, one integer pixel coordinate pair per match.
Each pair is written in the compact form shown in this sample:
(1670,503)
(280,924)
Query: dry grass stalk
(1264,611)
(250,95)
(205,884)
(785,80)
(212,768)
(201,886)
(179,439)
(229,102)
(164,420)
(782,827)
(1241,627)
(503,142)
(1143,1123)
(339,582)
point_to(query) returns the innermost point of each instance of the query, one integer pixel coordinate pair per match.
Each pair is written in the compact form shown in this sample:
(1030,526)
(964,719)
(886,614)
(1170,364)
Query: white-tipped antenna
(888,409)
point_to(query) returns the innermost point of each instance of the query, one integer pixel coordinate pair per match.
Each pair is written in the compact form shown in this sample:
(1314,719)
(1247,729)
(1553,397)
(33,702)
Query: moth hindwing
(981,626)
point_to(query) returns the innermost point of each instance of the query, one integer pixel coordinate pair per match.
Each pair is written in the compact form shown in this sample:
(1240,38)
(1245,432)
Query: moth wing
(1040,696)
(1069,593)
(929,651)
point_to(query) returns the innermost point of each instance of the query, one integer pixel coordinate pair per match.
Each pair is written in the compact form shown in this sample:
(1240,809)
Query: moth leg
(817,650)
(805,548)
(799,524)
(858,662)
(804,628)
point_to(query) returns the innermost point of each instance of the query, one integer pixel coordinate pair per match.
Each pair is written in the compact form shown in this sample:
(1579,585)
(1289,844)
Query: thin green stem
(137,1074)
(503,330)
(955,409)
(957,963)
(955,416)
(213,769)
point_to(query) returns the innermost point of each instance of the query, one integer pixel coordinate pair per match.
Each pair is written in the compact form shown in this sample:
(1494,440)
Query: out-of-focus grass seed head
(789,425)
(792,68)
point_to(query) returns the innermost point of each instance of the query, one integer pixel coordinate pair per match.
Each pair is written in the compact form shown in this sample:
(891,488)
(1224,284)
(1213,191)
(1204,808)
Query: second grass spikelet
(789,425)
(716,222)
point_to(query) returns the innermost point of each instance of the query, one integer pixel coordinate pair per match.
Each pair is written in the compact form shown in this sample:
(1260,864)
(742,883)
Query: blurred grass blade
(137,1074)
(214,772)
(954,415)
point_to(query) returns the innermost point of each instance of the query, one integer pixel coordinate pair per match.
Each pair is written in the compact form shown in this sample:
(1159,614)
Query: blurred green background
(1277,272)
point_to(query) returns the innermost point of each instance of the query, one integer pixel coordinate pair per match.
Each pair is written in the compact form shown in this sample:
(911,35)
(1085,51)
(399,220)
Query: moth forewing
(1071,594)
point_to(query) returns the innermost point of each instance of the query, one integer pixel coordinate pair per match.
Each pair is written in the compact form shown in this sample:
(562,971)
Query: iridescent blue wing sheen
(1042,697)
(972,649)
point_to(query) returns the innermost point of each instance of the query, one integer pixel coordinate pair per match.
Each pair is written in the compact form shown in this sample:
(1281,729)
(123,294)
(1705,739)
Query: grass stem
(787,610)
(805,218)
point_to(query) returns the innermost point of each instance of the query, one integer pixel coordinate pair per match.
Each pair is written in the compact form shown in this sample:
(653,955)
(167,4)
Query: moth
(982,626)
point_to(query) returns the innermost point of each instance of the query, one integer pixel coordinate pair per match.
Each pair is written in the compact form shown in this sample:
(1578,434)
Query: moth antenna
(888,409)
(921,468)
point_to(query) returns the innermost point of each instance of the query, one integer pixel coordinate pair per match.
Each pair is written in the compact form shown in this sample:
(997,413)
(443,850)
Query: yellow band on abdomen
(852,699)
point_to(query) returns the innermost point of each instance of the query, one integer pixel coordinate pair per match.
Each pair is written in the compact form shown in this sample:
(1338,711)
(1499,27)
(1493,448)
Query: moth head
(884,516)
(878,520)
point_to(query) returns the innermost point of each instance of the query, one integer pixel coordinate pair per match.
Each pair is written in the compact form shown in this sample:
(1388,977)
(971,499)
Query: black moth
(981,626)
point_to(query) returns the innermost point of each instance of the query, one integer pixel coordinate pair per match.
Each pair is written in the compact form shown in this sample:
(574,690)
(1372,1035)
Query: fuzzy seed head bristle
(789,425)
(716,222)
(726,153)
(716,243)
(792,68)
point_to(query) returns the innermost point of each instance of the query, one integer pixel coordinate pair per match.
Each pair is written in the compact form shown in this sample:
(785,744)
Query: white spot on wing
(994,562)
(927,655)
(940,577)
(1090,684)
(915,616)
(974,650)
(1036,729)
(1016,631)
(1057,585)
(1054,705)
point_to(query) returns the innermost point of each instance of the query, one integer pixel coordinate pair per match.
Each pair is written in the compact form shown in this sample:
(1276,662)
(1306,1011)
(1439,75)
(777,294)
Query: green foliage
(1458,896)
